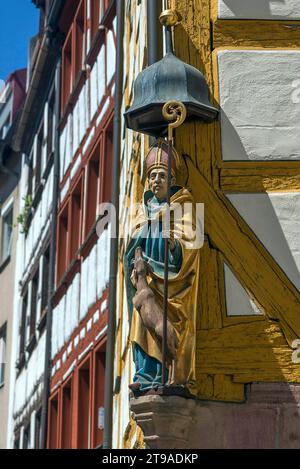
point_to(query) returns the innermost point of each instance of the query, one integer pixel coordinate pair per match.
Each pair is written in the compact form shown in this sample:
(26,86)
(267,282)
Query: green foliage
(23,217)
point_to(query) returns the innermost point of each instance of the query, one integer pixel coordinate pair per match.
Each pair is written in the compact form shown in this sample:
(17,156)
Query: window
(38,156)
(73,53)
(76,212)
(33,309)
(69,229)
(62,254)
(26,437)
(45,280)
(23,325)
(79,39)
(107,165)
(66,433)
(30,174)
(67,69)
(93,187)
(51,126)
(2,353)
(84,401)
(53,423)
(5,128)
(76,410)
(7,231)
(38,419)
(99,375)
(17,443)
(98,8)
(99,180)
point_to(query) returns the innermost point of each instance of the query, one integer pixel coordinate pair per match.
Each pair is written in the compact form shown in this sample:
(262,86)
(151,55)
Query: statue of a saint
(183,267)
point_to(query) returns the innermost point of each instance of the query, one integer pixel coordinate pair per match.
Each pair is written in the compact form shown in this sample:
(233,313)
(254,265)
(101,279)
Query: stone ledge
(165,420)
(269,419)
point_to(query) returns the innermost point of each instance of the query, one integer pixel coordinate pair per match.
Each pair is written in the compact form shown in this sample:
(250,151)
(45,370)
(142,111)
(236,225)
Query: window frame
(51,443)
(22,328)
(27,436)
(45,279)
(79,41)
(91,195)
(63,249)
(86,363)
(38,427)
(51,124)
(5,127)
(68,253)
(95,157)
(75,243)
(38,156)
(7,212)
(68,384)
(74,44)
(34,298)
(104,180)
(96,433)
(106,192)
(3,353)
(96,17)
(67,83)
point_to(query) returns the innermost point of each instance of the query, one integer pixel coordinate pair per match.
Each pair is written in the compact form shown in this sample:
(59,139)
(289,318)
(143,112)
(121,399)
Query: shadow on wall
(266,214)
(253,8)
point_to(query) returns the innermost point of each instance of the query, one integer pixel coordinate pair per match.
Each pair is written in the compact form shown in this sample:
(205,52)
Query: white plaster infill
(275,220)
(260,105)
(259,9)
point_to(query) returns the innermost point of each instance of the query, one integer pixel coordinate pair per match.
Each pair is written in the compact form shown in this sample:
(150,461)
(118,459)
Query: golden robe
(182,294)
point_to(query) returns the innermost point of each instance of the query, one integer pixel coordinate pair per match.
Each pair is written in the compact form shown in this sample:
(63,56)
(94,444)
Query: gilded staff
(175,113)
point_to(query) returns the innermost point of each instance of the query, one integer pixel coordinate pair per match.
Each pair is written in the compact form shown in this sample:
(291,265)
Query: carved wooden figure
(144,269)
(151,312)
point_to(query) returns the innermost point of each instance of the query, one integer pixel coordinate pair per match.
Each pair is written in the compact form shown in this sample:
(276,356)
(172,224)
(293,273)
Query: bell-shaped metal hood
(168,79)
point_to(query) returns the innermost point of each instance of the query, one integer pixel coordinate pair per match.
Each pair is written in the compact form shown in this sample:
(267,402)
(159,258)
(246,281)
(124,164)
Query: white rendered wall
(259,120)
(275,219)
(27,387)
(88,104)
(20,249)
(26,384)
(238,302)
(85,289)
(259,9)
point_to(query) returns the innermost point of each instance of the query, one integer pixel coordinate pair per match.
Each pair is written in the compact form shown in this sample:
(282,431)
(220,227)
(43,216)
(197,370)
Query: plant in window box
(23,217)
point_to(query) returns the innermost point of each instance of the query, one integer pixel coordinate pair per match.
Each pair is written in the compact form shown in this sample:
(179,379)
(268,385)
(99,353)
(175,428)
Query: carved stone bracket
(269,419)
(165,420)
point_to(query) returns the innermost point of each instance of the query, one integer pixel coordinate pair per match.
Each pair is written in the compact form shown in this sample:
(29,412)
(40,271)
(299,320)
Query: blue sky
(18,23)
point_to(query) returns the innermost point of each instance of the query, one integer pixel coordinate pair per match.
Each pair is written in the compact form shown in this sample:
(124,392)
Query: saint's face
(158,182)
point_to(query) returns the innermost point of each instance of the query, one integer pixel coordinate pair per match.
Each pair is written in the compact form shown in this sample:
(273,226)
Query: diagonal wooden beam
(247,256)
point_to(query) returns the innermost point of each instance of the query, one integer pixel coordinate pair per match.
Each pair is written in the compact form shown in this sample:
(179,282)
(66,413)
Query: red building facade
(79,325)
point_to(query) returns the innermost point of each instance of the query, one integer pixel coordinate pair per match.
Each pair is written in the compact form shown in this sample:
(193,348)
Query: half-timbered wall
(32,276)
(244,168)
(82,262)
